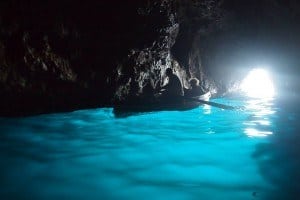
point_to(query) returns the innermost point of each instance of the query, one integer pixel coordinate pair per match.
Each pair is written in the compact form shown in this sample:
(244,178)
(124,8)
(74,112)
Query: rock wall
(65,55)
(179,27)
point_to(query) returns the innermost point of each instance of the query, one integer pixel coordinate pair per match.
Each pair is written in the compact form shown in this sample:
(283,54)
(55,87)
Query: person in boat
(195,89)
(173,89)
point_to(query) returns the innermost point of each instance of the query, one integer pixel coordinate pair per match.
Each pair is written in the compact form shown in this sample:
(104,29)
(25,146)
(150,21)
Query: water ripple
(202,153)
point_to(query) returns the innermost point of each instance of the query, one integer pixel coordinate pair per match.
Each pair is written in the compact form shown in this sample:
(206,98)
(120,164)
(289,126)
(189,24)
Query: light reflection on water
(259,123)
(89,154)
(207,109)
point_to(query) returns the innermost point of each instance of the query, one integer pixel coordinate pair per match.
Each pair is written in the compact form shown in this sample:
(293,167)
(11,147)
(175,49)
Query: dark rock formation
(65,55)
(68,55)
(176,27)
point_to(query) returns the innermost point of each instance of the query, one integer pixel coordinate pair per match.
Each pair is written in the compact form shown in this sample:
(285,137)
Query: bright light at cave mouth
(258,84)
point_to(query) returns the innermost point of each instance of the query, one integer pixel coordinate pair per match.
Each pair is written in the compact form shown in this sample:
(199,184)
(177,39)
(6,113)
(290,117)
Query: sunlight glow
(258,84)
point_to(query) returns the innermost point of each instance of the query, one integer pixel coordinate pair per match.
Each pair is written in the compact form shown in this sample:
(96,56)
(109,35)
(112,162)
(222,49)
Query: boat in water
(178,104)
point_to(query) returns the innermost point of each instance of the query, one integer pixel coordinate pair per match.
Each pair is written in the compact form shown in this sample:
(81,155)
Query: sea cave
(150,99)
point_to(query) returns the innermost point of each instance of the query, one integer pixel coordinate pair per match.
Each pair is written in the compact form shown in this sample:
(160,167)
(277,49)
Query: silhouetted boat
(180,104)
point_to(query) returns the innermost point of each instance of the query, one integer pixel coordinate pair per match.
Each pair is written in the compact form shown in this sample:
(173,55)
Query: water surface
(204,153)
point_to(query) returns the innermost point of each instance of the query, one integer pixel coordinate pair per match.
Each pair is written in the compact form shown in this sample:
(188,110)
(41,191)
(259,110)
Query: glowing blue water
(204,153)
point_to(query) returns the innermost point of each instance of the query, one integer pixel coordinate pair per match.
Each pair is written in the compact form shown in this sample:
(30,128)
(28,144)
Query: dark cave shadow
(278,160)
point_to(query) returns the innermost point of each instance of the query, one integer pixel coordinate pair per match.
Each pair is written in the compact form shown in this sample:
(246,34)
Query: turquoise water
(204,153)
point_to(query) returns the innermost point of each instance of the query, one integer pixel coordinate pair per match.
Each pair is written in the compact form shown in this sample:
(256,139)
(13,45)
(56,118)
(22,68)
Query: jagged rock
(64,55)
(67,55)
